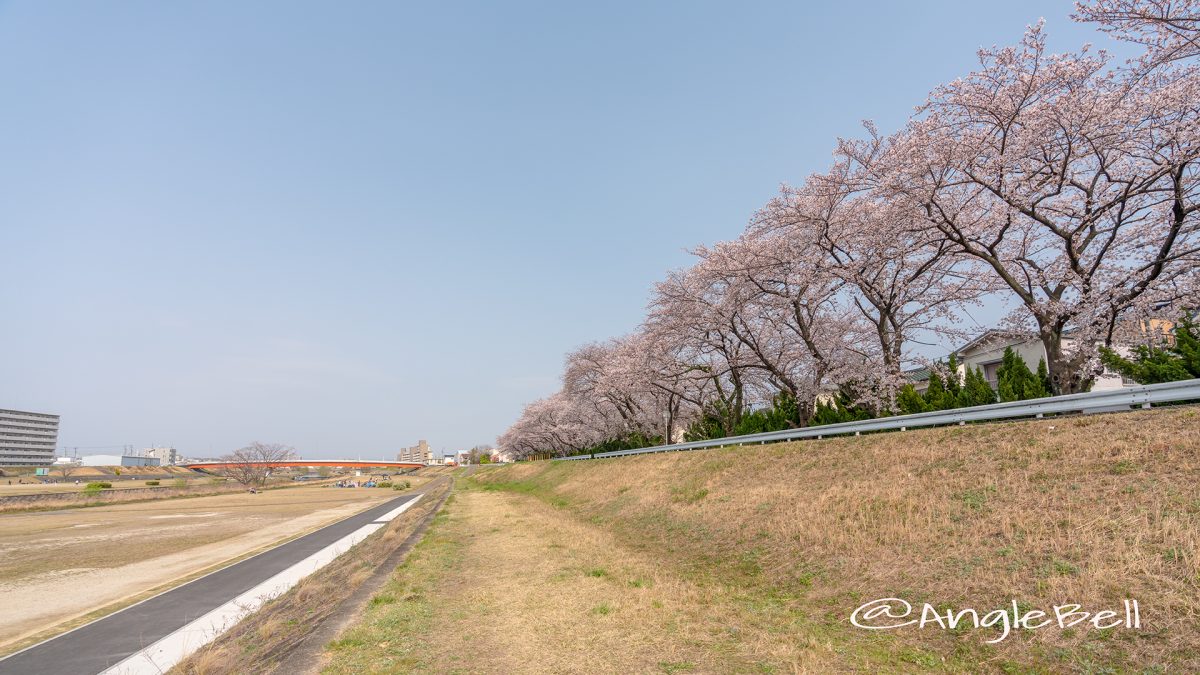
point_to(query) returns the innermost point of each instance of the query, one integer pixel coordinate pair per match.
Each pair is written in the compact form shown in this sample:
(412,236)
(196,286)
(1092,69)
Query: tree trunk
(1066,370)
(804,411)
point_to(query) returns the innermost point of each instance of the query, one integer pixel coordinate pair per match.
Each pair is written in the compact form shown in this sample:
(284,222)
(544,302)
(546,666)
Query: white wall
(118,460)
(101,460)
(1031,351)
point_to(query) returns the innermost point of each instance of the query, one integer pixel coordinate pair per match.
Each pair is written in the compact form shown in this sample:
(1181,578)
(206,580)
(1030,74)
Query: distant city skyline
(343,228)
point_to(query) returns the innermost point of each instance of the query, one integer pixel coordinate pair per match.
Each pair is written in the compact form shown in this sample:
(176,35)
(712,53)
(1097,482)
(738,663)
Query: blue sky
(348,226)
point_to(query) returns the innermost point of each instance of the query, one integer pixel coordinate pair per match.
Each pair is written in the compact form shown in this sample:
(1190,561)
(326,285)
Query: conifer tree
(910,402)
(953,385)
(1043,375)
(1015,381)
(975,390)
(935,393)
(827,412)
(1169,363)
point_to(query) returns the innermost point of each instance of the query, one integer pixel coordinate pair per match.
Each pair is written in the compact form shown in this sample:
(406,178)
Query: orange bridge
(304,463)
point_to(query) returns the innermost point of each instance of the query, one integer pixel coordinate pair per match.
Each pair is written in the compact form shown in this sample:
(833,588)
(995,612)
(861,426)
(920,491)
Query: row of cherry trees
(1066,182)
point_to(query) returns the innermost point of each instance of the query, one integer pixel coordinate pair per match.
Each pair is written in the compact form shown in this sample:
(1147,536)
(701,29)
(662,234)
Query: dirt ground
(58,565)
(29,488)
(540,593)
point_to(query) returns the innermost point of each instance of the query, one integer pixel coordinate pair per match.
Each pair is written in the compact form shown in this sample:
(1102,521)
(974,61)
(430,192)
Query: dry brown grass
(78,498)
(211,661)
(1087,510)
(29,488)
(529,591)
(75,496)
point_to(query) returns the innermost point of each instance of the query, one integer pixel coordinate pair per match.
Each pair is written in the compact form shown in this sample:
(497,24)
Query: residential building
(165,456)
(420,453)
(27,438)
(118,460)
(917,377)
(986,352)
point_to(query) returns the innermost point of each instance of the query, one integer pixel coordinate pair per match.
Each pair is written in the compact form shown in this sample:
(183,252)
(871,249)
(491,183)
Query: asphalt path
(92,648)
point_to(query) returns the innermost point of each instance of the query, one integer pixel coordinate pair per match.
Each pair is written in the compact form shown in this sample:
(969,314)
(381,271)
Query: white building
(118,460)
(986,352)
(27,438)
(165,456)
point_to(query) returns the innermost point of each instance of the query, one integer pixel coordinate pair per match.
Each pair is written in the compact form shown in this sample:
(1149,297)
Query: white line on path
(173,648)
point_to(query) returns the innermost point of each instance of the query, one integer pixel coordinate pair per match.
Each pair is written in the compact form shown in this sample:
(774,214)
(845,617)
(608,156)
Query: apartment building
(27,438)
(165,456)
(420,453)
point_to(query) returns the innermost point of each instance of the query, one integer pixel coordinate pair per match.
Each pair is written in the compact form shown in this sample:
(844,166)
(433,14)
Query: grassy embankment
(752,559)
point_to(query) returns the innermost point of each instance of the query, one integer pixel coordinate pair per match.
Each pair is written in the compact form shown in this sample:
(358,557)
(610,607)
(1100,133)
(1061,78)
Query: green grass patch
(688,494)
(976,499)
(383,599)
(1122,467)
(394,635)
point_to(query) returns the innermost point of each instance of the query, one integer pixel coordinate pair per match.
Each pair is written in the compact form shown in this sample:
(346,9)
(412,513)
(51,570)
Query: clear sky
(347,226)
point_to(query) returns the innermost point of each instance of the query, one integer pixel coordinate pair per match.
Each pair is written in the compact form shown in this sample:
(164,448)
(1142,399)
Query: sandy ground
(58,565)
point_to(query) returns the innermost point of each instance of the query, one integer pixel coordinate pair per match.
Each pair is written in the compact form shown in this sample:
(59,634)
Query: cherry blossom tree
(613,392)
(671,383)
(1169,29)
(1075,185)
(556,424)
(900,279)
(694,314)
(779,302)
(616,378)
(1061,180)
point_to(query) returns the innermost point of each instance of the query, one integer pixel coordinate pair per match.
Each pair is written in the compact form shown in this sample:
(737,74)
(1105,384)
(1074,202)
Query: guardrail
(1091,402)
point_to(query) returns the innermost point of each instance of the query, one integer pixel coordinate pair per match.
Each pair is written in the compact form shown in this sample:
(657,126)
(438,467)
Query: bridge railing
(1114,400)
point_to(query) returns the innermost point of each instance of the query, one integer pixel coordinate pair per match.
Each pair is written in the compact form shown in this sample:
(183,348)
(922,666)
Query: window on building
(991,372)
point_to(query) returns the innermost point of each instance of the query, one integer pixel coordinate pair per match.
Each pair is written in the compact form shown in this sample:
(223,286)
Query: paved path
(94,647)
